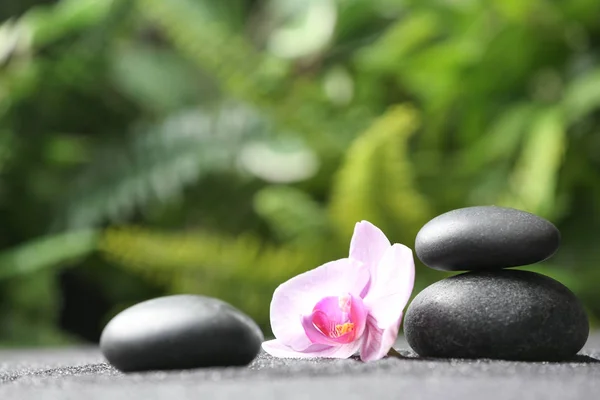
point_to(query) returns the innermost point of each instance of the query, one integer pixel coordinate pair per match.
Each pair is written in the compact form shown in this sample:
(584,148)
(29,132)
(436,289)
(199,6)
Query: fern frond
(376,181)
(292,214)
(244,73)
(241,270)
(156,164)
(206,41)
(215,256)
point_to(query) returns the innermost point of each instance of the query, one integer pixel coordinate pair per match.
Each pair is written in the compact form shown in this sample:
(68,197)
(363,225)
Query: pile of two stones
(489,312)
(492,312)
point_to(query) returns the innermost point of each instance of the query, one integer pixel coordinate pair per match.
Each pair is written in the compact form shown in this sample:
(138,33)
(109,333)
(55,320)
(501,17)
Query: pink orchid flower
(344,306)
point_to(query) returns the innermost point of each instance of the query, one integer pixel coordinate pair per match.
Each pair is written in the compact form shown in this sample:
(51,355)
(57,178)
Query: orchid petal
(391,288)
(387,296)
(358,315)
(278,349)
(343,351)
(297,297)
(368,244)
(377,342)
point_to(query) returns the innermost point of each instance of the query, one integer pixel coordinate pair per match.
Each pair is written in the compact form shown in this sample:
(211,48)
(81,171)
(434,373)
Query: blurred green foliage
(222,147)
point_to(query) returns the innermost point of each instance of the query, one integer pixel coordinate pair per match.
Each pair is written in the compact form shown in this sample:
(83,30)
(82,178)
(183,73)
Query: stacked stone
(492,312)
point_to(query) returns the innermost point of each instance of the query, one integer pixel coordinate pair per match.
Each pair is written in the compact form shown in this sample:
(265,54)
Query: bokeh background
(152,147)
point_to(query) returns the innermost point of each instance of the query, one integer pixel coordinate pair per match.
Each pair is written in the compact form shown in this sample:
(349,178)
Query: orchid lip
(335,320)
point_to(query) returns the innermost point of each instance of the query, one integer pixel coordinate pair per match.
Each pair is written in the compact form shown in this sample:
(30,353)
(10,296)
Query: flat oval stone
(485,238)
(507,314)
(180,332)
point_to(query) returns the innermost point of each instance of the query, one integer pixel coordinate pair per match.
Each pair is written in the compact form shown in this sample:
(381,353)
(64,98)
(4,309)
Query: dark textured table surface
(83,374)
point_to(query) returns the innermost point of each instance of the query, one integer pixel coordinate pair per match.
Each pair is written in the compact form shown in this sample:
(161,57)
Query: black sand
(83,374)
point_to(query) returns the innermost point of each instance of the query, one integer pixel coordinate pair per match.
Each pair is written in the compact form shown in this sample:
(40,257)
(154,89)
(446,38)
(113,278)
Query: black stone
(485,238)
(507,314)
(180,332)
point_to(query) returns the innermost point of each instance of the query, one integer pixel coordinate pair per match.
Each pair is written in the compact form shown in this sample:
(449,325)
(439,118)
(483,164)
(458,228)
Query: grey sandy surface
(83,374)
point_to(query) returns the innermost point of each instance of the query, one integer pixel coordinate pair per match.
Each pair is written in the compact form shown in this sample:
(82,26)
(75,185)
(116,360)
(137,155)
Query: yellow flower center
(342,329)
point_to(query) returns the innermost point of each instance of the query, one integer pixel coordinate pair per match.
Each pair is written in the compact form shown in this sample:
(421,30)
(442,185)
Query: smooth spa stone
(485,238)
(180,332)
(507,314)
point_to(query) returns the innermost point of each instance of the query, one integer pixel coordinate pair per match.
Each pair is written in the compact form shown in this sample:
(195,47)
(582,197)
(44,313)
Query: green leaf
(394,47)
(534,178)
(14,39)
(582,96)
(50,24)
(502,139)
(515,10)
(47,252)
(302,29)
(156,79)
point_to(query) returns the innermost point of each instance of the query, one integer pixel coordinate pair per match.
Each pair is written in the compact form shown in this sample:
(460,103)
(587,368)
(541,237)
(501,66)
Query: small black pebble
(180,332)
